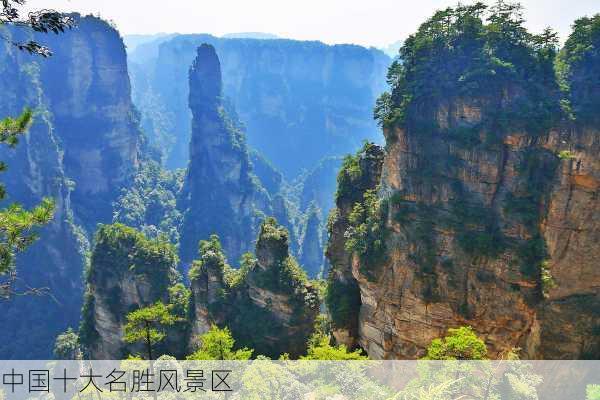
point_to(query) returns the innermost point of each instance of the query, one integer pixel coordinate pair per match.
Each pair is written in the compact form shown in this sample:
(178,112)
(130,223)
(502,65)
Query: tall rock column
(219,195)
(268,303)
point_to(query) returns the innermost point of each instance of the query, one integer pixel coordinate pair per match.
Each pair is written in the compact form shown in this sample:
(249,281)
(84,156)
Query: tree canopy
(148,326)
(66,346)
(44,21)
(479,52)
(578,68)
(320,348)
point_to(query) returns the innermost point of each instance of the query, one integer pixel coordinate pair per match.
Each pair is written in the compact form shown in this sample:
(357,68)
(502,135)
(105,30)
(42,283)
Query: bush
(460,344)
(350,176)
(366,233)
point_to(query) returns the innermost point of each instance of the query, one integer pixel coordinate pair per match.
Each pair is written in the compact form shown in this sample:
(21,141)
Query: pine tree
(148,326)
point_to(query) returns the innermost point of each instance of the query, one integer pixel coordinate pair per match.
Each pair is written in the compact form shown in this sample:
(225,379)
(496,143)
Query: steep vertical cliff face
(268,303)
(485,212)
(570,316)
(465,244)
(301,101)
(219,195)
(88,92)
(127,272)
(343,297)
(36,170)
(81,150)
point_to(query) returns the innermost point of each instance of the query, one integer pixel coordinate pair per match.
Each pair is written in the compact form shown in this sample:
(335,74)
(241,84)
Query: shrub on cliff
(350,176)
(365,235)
(460,344)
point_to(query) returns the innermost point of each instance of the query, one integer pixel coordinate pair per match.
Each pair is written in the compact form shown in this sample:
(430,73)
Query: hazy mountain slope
(300,101)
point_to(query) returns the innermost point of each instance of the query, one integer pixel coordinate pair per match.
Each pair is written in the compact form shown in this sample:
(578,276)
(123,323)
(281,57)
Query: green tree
(592,392)
(44,21)
(460,344)
(66,346)
(18,227)
(148,325)
(578,69)
(218,344)
(320,348)
(179,298)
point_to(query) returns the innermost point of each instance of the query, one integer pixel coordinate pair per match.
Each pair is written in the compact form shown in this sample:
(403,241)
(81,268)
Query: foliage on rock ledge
(121,250)
(474,51)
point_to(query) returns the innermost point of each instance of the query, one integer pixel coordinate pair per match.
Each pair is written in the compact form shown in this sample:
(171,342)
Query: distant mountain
(250,35)
(133,41)
(300,101)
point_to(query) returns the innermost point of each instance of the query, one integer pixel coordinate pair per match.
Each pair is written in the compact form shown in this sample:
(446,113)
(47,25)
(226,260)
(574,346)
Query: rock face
(312,252)
(269,306)
(88,92)
(219,195)
(569,318)
(80,151)
(36,170)
(127,272)
(464,238)
(485,210)
(344,297)
(300,101)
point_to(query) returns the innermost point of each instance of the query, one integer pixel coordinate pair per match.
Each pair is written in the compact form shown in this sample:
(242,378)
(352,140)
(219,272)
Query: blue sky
(365,22)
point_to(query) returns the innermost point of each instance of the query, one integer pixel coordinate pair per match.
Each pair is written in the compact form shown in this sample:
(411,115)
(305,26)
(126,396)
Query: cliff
(301,101)
(219,195)
(82,149)
(87,87)
(35,169)
(484,212)
(267,303)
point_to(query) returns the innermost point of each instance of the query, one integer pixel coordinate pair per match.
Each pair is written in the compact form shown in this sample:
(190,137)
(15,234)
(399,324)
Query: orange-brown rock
(471,232)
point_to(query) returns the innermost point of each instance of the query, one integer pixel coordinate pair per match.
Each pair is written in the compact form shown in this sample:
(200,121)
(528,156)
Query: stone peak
(205,79)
